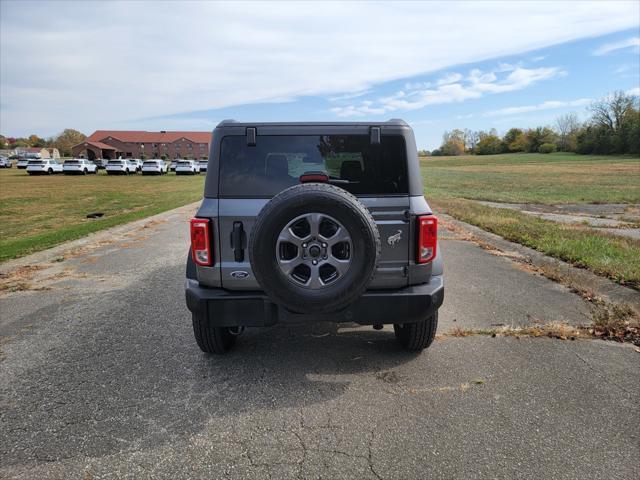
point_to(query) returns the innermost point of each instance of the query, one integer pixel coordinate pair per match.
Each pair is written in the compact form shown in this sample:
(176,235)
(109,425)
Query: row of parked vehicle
(120,166)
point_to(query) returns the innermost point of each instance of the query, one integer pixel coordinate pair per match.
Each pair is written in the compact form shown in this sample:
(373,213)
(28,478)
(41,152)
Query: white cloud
(633,42)
(349,96)
(475,85)
(100,64)
(548,105)
(449,78)
(634,91)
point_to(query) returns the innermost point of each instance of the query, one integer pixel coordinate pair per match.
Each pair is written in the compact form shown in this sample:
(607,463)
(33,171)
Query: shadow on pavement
(133,377)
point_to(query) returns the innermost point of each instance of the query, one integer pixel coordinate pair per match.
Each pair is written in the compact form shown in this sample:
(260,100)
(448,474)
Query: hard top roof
(391,122)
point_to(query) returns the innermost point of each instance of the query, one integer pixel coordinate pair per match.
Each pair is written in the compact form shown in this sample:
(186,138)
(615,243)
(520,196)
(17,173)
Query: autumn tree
(611,111)
(514,140)
(489,144)
(453,143)
(35,141)
(614,126)
(537,136)
(67,139)
(471,139)
(567,127)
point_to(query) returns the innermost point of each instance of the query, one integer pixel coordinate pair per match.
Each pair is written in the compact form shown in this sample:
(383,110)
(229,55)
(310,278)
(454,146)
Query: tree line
(612,128)
(63,141)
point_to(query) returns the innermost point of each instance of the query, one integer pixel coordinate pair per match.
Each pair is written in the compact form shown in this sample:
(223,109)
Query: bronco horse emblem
(395,238)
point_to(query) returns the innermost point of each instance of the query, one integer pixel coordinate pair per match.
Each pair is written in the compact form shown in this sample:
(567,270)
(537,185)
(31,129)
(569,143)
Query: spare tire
(314,248)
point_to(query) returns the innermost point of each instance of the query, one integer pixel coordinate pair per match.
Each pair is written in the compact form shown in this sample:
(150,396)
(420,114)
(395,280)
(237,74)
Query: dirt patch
(388,377)
(85,249)
(153,223)
(609,322)
(20,278)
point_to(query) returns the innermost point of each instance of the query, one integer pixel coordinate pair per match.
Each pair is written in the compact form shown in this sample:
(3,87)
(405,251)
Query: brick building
(141,144)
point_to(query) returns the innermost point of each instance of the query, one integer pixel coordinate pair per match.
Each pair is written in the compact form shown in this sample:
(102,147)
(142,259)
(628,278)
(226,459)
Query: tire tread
(211,339)
(417,336)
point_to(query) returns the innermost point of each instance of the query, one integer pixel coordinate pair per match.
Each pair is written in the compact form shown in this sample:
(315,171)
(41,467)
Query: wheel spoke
(314,279)
(288,266)
(314,220)
(340,236)
(288,236)
(341,266)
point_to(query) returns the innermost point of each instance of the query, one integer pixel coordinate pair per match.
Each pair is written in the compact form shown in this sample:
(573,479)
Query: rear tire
(50,171)
(415,337)
(212,339)
(84,172)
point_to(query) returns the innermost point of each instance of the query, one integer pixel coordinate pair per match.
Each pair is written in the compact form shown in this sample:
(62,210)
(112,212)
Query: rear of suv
(305,222)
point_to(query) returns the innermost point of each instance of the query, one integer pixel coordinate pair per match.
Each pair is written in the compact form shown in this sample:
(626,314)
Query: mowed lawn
(452,183)
(42,211)
(535,178)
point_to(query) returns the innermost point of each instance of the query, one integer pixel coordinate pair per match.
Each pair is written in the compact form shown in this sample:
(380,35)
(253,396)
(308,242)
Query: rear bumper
(254,309)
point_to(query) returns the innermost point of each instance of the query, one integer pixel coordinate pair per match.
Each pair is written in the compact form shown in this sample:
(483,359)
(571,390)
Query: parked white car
(154,167)
(22,162)
(138,162)
(79,166)
(45,166)
(122,166)
(187,167)
(203,165)
(5,162)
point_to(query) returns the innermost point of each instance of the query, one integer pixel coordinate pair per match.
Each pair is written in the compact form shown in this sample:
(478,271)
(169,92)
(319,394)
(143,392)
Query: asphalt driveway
(100,378)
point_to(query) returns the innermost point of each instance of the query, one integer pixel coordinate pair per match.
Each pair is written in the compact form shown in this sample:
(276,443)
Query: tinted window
(277,162)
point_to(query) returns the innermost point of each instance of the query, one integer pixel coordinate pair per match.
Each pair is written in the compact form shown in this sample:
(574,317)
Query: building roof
(139,136)
(101,145)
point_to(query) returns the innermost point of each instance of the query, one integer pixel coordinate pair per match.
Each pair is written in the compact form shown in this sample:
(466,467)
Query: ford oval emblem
(239,274)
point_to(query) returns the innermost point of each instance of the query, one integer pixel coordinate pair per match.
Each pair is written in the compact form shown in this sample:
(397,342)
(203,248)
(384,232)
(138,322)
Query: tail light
(201,248)
(427,238)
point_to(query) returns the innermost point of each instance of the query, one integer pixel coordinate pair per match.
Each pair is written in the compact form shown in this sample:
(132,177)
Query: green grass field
(43,211)
(533,177)
(452,183)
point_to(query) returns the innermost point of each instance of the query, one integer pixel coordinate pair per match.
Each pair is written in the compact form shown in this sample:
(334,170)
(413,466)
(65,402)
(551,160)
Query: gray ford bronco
(306,222)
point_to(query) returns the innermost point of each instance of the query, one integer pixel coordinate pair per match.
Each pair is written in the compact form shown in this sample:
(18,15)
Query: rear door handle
(237,241)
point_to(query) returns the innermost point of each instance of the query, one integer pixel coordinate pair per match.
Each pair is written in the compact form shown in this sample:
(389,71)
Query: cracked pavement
(100,377)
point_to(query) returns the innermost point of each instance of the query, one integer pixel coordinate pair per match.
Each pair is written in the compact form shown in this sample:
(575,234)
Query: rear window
(35,162)
(115,162)
(150,164)
(276,163)
(71,162)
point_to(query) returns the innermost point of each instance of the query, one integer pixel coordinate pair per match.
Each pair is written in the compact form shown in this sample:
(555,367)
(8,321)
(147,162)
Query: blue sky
(188,65)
